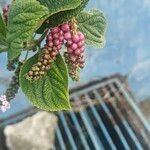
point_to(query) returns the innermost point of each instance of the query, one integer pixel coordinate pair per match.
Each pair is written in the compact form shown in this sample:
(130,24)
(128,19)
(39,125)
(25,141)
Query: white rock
(33,133)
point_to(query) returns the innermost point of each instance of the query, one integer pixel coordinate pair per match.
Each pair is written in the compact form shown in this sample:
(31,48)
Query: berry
(82,49)
(74,56)
(69,42)
(5,8)
(55,30)
(59,46)
(81,35)
(75,38)
(5,12)
(61,38)
(74,46)
(75,49)
(81,43)
(4,104)
(56,36)
(54,42)
(49,37)
(50,44)
(11,65)
(67,36)
(77,52)
(69,50)
(65,27)
(14,84)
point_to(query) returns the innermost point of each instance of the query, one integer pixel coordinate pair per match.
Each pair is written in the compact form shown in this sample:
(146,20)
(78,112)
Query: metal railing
(128,137)
(101,125)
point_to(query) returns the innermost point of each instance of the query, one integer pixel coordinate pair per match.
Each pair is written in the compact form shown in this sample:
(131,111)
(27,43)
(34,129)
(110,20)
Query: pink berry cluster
(54,42)
(5,12)
(4,104)
(74,56)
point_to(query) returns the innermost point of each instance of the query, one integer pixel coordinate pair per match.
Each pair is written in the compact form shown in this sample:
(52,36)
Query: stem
(38,42)
(74,26)
(26,55)
(3,48)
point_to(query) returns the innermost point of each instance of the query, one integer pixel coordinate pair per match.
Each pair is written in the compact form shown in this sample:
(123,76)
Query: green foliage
(2,27)
(63,15)
(56,6)
(3,43)
(50,92)
(93,25)
(28,17)
(25,17)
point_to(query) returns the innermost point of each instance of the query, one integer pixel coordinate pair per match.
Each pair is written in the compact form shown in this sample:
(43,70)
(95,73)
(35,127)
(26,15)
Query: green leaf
(63,16)
(3,48)
(2,27)
(56,6)
(49,93)
(3,43)
(93,25)
(25,17)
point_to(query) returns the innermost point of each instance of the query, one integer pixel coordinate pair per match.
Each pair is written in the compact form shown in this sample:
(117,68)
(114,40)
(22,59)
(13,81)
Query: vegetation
(67,27)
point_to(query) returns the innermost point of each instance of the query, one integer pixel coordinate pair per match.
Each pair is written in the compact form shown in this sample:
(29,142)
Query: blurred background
(127,50)
(119,78)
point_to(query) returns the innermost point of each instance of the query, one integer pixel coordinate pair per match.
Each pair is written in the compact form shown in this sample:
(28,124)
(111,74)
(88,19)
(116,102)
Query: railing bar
(138,112)
(85,90)
(125,123)
(94,137)
(67,131)
(60,139)
(82,137)
(146,139)
(112,119)
(131,133)
(133,105)
(53,148)
(11,117)
(16,118)
(100,123)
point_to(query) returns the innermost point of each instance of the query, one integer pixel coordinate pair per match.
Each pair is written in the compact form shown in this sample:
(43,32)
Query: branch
(37,42)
